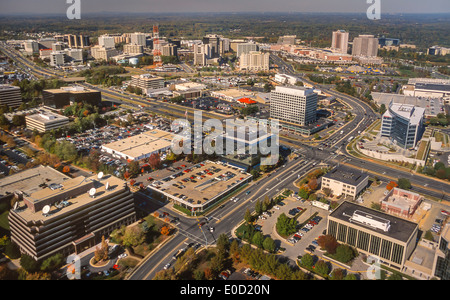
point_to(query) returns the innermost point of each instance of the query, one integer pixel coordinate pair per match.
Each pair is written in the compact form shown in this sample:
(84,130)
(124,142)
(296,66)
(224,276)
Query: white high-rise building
(139,38)
(254,61)
(202,52)
(106,41)
(295,105)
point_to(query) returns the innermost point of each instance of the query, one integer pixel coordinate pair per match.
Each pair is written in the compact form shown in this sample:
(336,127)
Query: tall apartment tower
(340,41)
(106,41)
(365,45)
(295,105)
(138,38)
(254,61)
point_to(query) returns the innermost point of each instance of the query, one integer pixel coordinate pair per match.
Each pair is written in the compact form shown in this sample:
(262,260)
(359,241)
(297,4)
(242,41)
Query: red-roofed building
(247,101)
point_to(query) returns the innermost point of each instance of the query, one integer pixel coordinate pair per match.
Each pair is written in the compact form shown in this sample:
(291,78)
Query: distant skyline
(35,7)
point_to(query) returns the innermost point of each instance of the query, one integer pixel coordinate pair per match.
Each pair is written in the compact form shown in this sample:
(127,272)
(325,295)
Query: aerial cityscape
(203,142)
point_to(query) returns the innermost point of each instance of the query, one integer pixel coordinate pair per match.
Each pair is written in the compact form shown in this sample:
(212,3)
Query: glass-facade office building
(403,124)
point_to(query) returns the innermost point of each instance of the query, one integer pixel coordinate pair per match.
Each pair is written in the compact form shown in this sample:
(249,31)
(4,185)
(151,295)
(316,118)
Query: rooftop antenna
(107,186)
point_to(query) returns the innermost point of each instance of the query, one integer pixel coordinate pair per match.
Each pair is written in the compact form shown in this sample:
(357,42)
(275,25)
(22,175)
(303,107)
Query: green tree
(29,264)
(307,260)
(258,239)
(223,243)
(322,268)
(285,225)
(52,263)
(269,244)
(404,183)
(344,253)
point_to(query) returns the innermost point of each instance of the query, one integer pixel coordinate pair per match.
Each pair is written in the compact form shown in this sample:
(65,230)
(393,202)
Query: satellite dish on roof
(92,192)
(46,209)
(107,186)
(100,175)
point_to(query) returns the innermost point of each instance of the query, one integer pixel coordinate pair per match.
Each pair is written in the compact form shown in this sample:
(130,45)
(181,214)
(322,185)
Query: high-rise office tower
(295,105)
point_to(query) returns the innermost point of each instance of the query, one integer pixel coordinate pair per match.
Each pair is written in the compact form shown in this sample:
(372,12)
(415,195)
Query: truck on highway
(350,139)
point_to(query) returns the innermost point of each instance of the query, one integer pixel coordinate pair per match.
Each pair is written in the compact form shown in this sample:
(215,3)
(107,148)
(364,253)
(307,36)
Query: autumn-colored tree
(312,184)
(126,175)
(209,274)
(391,185)
(165,230)
(132,182)
(154,161)
(328,242)
(66,169)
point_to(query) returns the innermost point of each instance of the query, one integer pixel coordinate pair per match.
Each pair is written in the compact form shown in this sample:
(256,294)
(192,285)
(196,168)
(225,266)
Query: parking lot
(305,237)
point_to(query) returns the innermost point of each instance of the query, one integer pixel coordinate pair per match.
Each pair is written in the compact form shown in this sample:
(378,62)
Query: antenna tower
(157,61)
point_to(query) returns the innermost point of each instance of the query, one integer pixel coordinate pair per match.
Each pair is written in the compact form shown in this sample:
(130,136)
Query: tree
(337,274)
(154,161)
(391,185)
(258,239)
(248,216)
(223,243)
(165,230)
(328,242)
(29,264)
(404,183)
(285,225)
(133,236)
(344,253)
(258,207)
(269,244)
(307,260)
(52,263)
(322,268)
(312,184)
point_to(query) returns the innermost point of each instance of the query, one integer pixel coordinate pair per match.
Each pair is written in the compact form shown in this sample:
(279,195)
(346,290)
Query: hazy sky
(93,6)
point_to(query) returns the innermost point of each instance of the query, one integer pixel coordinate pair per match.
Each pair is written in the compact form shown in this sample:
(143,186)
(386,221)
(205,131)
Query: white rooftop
(295,91)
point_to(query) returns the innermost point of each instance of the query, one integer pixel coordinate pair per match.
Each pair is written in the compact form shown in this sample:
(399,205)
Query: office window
(397,253)
(342,233)
(363,240)
(375,245)
(352,234)
(385,251)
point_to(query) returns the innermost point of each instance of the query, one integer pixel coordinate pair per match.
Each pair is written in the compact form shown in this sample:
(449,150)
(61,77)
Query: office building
(254,61)
(365,45)
(57,58)
(340,41)
(214,41)
(147,81)
(374,233)
(287,40)
(106,41)
(295,105)
(201,54)
(437,50)
(204,185)
(169,50)
(102,53)
(59,98)
(245,48)
(441,265)
(68,55)
(75,41)
(10,96)
(138,38)
(344,181)
(46,43)
(140,146)
(45,121)
(403,124)
(388,42)
(133,49)
(71,216)
(31,47)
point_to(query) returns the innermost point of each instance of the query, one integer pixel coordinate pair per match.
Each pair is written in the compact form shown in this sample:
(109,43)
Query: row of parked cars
(307,227)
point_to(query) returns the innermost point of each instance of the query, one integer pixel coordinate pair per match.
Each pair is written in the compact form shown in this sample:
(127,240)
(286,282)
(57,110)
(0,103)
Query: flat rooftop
(399,229)
(144,143)
(346,175)
(200,183)
(47,117)
(67,198)
(31,180)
